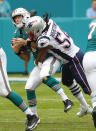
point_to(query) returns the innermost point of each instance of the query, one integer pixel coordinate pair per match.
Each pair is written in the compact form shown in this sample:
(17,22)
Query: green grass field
(50,110)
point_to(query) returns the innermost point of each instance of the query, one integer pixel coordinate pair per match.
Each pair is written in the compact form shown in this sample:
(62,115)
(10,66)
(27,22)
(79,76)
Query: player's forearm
(41,56)
(16,48)
(25,57)
(33,45)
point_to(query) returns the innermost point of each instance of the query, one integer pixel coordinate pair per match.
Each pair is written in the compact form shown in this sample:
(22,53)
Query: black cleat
(68,105)
(27,121)
(94,116)
(32,122)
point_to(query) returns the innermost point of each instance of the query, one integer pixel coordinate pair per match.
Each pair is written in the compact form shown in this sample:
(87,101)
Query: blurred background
(70,15)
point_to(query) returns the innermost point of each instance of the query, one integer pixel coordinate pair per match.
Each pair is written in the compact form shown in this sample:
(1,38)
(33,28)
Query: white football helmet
(35,25)
(24,13)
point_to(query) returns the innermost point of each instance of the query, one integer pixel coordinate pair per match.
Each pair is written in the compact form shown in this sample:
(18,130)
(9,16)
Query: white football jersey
(63,45)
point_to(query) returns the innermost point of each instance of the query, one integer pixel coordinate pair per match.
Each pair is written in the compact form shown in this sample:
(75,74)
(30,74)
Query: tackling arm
(25,57)
(42,54)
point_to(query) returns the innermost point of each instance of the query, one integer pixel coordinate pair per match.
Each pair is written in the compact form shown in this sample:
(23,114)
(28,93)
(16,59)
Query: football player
(89,64)
(51,38)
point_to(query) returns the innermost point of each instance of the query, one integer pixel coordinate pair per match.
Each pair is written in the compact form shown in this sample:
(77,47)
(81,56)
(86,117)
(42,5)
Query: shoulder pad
(43,41)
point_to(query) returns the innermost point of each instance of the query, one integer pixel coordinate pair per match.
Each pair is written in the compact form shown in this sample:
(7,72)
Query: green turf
(17,75)
(50,110)
(22,75)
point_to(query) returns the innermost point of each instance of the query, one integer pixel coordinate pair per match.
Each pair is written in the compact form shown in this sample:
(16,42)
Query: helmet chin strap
(20,25)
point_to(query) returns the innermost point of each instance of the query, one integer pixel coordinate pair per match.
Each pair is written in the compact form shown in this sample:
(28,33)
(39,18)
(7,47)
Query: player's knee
(43,76)
(30,87)
(67,82)
(5,93)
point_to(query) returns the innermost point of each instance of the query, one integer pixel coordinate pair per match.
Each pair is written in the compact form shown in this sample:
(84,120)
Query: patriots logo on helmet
(30,25)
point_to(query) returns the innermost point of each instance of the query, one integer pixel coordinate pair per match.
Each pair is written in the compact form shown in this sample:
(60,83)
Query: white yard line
(23,79)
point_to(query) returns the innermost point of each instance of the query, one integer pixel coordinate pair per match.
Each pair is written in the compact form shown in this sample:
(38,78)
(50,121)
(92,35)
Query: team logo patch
(42,44)
(30,25)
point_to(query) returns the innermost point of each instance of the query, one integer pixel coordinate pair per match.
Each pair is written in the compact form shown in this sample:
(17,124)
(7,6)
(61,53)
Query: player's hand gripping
(19,41)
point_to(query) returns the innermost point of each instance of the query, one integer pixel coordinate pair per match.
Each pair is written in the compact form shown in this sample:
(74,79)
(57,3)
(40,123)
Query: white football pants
(5,89)
(89,64)
(48,68)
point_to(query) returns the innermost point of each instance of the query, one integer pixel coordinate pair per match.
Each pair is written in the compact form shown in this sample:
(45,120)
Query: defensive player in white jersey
(89,64)
(75,89)
(51,38)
